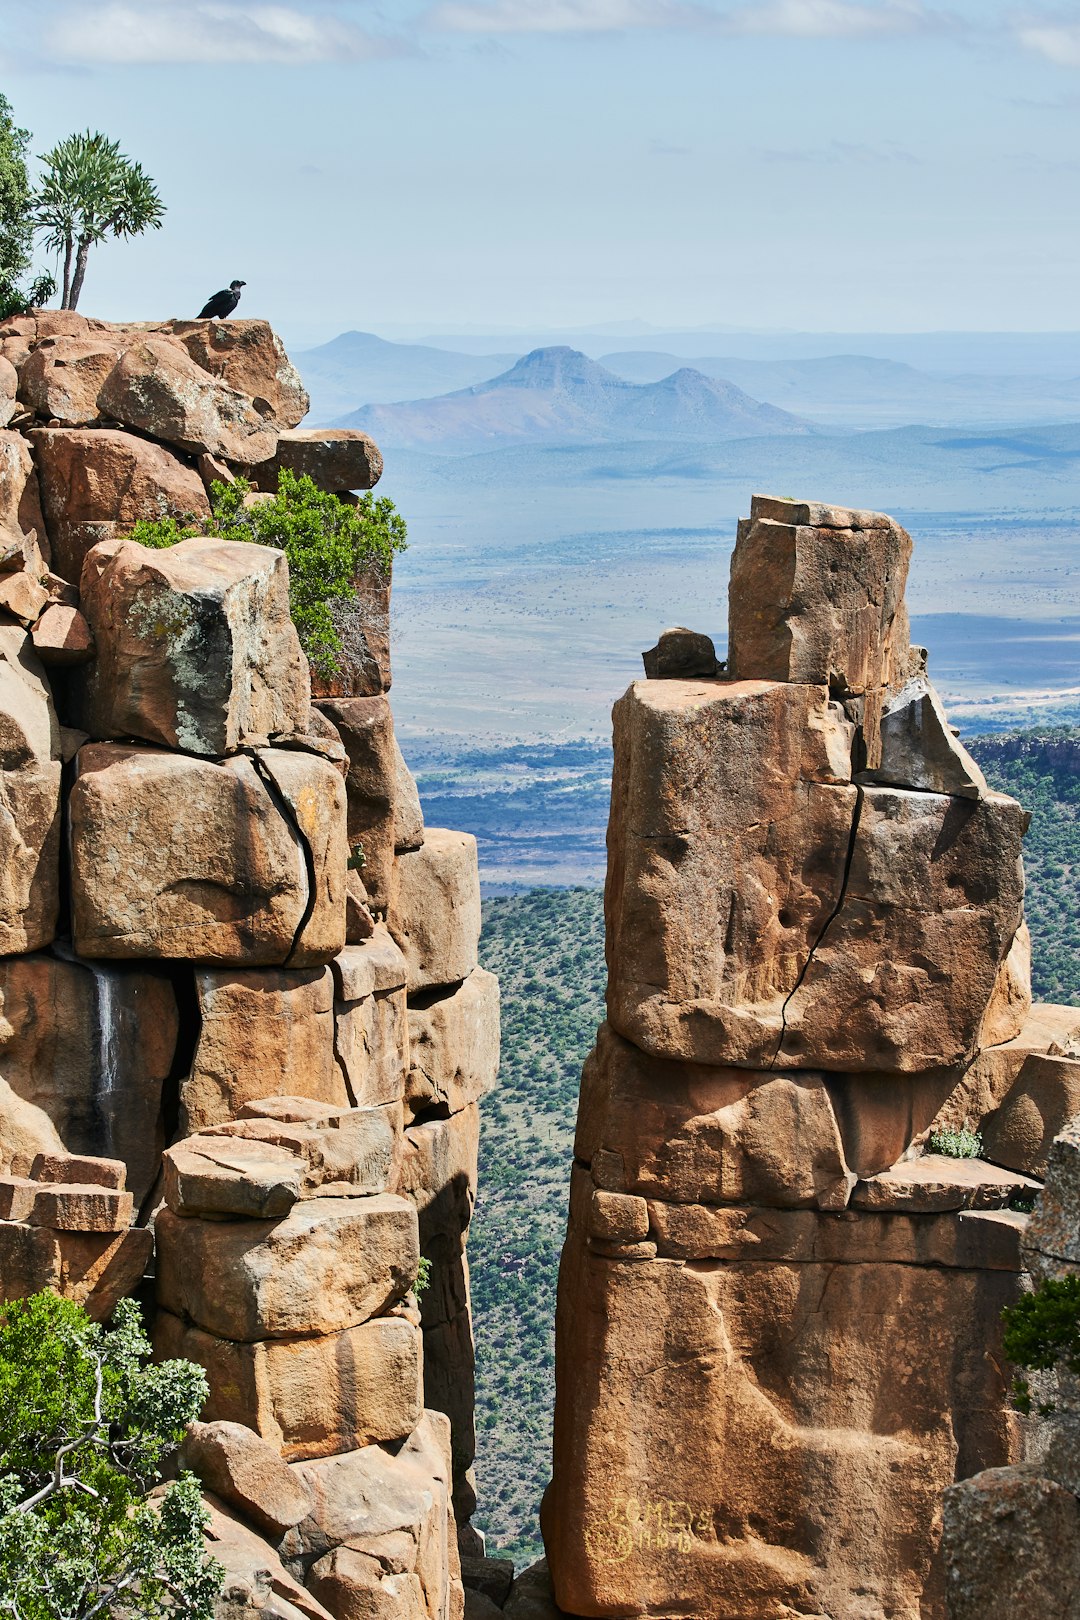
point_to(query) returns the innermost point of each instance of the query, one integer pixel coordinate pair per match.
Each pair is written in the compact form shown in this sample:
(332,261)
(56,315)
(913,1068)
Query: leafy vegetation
(1042,1334)
(89,192)
(16,221)
(547,946)
(956,1144)
(86,1426)
(330,544)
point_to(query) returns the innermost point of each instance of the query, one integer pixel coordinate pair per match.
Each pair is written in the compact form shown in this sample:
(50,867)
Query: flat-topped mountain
(559,396)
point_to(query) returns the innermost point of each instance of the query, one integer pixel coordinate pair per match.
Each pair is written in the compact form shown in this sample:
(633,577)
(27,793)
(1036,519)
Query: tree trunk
(80,272)
(69,248)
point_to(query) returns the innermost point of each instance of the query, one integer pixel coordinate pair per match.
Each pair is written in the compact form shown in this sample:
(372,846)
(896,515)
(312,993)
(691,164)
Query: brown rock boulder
(454,1046)
(257,1585)
(719,1429)
(63,376)
(1011,1544)
(96,483)
(366,728)
(30,766)
(262,1033)
(195,646)
(408,816)
(435,915)
(239,1466)
(370,1028)
(764,912)
(330,1264)
(84,1052)
(157,389)
(9,386)
(95,1269)
(689,1133)
(309,1397)
(23,540)
(249,357)
(62,637)
(180,857)
(335,459)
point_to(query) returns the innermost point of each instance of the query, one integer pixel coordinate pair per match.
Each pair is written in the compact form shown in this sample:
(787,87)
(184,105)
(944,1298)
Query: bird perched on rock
(223,303)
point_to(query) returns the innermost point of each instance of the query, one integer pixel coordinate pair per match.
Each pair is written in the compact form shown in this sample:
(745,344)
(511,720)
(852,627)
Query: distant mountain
(858,390)
(559,396)
(358,367)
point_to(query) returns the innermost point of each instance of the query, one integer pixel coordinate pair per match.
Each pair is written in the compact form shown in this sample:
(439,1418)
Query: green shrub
(86,1425)
(1042,1334)
(957,1144)
(330,543)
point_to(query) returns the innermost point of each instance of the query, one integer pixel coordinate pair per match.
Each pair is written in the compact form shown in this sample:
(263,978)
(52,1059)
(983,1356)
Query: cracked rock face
(195,646)
(207,861)
(30,766)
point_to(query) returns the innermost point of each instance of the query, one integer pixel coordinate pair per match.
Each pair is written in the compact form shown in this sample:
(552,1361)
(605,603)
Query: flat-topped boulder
(195,646)
(936,1182)
(335,459)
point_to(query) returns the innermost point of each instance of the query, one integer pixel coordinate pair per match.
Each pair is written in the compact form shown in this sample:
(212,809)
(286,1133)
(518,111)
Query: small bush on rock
(957,1144)
(86,1425)
(161,533)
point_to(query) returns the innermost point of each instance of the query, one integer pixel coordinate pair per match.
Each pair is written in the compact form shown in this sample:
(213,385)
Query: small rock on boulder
(681,654)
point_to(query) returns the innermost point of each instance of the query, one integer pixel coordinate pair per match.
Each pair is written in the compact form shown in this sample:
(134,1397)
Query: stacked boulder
(778,1330)
(239,989)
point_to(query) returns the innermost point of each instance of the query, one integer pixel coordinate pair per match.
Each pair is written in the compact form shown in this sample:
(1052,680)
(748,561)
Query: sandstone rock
(695,1134)
(454,1046)
(257,1586)
(63,376)
(359,922)
(618,1217)
(180,857)
(90,1171)
(363,665)
(356,1586)
(249,357)
(310,1396)
(531,1597)
(681,654)
(23,597)
(80,1209)
(96,483)
(262,1033)
(819,603)
(30,767)
(84,1052)
(394,1510)
(1053,1233)
(918,749)
(882,1118)
(20,505)
(1011,1543)
(408,816)
(17,1198)
(1031,1059)
(1041,1102)
(435,917)
(157,389)
(935,1182)
(95,1269)
(9,384)
(366,728)
(247,1473)
(719,1429)
(761,912)
(195,646)
(479,1607)
(493,1577)
(439,1173)
(333,458)
(1010,1000)
(330,1264)
(62,637)
(370,1029)
(262,1166)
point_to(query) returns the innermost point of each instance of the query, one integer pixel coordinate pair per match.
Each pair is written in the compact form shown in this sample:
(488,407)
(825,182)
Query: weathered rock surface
(371,1033)
(310,1396)
(408,815)
(22,526)
(62,637)
(262,1033)
(454,1046)
(435,915)
(96,483)
(336,459)
(85,1052)
(249,357)
(681,654)
(1053,1233)
(257,1585)
(792,1374)
(240,1467)
(9,385)
(918,748)
(180,857)
(366,728)
(935,1182)
(95,1269)
(363,665)
(330,1264)
(195,646)
(158,390)
(1011,1542)
(30,766)
(63,376)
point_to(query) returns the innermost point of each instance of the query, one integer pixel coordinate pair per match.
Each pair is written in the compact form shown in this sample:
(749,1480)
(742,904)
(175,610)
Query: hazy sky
(425,164)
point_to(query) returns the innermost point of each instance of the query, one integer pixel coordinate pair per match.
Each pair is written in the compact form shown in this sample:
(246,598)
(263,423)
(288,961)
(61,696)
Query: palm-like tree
(90,191)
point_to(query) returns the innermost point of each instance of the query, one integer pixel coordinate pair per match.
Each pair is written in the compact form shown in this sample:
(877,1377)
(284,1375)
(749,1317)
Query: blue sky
(420,165)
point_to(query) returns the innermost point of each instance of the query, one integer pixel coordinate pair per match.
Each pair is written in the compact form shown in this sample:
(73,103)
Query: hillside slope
(558,396)
(357,367)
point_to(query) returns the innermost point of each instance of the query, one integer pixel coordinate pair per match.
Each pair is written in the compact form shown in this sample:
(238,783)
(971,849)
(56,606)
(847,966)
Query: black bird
(223,303)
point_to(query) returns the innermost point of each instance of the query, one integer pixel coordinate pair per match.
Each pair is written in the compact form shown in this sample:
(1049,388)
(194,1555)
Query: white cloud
(1059,44)
(205,31)
(561,16)
(826,19)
